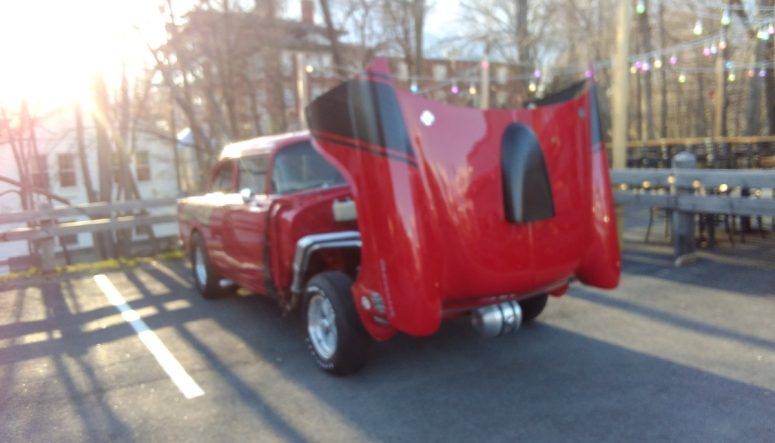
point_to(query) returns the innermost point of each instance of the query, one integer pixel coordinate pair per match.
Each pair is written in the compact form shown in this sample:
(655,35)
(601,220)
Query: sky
(51,49)
(442,16)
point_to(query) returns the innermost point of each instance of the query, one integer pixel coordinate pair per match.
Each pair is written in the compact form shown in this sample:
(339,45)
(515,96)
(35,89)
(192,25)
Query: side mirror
(247,195)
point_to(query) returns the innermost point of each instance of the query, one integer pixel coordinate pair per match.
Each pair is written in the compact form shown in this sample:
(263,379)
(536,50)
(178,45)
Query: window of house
(502,97)
(439,72)
(403,71)
(142,166)
(252,173)
(298,167)
(287,63)
(68,240)
(66,164)
(39,172)
(503,74)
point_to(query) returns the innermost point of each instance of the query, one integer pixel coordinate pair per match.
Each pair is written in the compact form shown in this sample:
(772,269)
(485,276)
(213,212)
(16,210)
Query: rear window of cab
(299,167)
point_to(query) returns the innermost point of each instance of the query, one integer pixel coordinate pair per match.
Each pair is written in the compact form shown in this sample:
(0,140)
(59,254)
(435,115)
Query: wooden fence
(687,191)
(683,189)
(42,225)
(711,152)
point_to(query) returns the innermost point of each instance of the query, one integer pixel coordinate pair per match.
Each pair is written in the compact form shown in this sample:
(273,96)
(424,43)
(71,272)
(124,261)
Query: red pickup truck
(394,212)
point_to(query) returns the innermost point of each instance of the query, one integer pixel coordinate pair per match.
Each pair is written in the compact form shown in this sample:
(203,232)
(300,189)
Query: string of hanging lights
(662,58)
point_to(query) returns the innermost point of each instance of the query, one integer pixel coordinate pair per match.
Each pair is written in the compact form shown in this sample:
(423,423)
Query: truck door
(217,201)
(247,222)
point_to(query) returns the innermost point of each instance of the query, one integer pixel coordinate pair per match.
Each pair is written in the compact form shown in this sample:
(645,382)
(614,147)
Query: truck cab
(264,195)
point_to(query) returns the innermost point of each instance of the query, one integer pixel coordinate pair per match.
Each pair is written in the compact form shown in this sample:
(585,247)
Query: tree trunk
(419,26)
(753,113)
(523,37)
(21,163)
(91,194)
(645,32)
(333,39)
(769,81)
(700,122)
(663,41)
(104,158)
(274,88)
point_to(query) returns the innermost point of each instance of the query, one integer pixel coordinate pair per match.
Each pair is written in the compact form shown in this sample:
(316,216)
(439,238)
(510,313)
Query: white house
(152,164)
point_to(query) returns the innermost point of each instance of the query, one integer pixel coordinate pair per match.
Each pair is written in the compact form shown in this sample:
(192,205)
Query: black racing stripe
(360,147)
(380,76)
(363,110)
(364,144)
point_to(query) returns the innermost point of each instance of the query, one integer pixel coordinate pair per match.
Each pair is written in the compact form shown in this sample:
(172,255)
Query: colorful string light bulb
(726,17)
(640,8)
(697,27)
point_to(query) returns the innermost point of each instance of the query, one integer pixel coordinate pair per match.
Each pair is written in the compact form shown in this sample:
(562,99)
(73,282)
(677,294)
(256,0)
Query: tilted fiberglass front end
(460,207)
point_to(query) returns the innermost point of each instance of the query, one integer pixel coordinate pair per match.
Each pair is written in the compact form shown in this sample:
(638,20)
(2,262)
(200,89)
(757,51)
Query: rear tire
(532,307)
(206,278)
(334,334)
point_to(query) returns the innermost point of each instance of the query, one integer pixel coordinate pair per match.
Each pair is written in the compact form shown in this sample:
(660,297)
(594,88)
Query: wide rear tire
(206,278)
(532,307)
(335,336)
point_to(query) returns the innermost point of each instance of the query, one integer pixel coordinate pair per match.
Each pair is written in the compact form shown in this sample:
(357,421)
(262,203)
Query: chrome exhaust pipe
(499,319)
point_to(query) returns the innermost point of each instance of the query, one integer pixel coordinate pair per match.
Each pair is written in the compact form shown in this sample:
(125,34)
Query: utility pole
(621,72)
(484,96)
(484,100)
(302,90)
(719,122)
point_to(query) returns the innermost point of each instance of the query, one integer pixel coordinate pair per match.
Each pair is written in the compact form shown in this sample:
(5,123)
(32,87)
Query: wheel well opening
(346,260)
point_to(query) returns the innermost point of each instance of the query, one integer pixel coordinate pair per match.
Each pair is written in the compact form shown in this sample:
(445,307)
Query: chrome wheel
(321,325)
(200,268)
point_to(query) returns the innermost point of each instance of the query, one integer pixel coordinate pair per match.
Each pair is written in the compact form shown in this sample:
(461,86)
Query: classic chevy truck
(394,212)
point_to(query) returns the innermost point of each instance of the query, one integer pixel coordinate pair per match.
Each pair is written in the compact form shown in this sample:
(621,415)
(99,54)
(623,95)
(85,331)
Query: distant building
(306,70)
(151,163)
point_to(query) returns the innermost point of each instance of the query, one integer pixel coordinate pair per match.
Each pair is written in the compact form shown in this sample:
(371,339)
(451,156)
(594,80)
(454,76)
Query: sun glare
(52,49)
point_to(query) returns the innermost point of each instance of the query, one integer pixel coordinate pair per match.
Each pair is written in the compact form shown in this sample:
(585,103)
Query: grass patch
(98,266)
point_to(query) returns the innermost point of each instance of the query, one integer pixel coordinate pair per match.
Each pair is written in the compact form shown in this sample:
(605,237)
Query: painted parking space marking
(167,361)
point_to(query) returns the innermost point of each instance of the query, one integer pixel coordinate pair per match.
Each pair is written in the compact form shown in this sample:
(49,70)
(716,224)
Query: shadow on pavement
(543,384)
(751,274)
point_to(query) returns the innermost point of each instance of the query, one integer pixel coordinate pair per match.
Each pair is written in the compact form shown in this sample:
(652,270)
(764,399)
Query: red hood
(457,205)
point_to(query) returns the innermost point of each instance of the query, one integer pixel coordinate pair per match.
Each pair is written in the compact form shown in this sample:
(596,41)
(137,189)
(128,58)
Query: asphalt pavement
(675,354)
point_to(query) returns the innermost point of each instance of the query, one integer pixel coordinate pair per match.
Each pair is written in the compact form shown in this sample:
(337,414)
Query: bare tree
(644,30)
(404,23)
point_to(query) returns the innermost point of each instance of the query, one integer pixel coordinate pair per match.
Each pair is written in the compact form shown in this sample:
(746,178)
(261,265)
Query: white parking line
(168,362)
